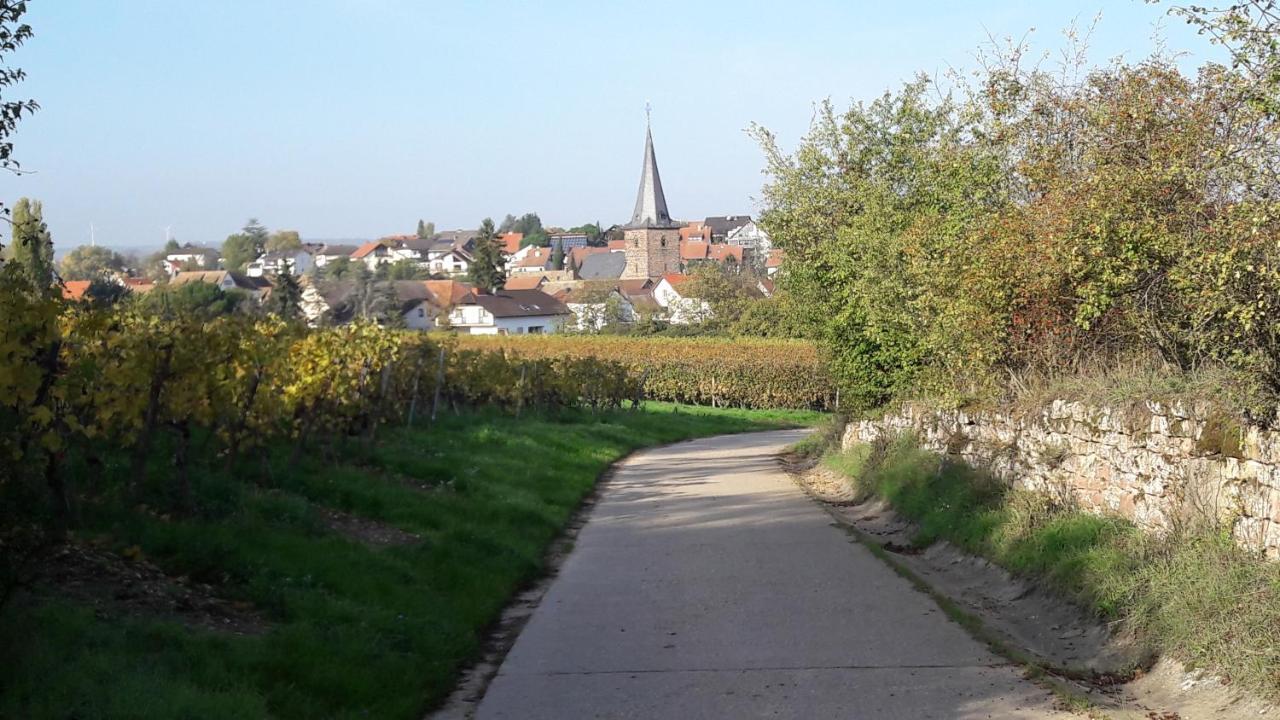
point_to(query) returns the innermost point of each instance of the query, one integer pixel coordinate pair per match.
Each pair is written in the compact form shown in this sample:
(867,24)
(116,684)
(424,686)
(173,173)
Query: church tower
(652,237)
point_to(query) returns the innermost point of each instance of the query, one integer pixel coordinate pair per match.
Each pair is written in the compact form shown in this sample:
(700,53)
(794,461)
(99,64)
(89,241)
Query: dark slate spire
(651,204)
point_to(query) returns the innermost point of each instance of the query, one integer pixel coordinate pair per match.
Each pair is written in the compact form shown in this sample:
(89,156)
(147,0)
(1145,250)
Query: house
(602,266)
(723,253)
(75,289)
(189,257)
(298,261)
(750,236)
(691,250)
(225,279)
(509,312)
(525,281)
(449,260)
(567,240)
(536,260)
(328,252)
(773,263)
(373,254)
(695,231)
(138,285)
(331,302)
(465,239)
(597,304)
(448,293)
(510,242)
(575,256)
(680,308)
(722,225)
(765,287)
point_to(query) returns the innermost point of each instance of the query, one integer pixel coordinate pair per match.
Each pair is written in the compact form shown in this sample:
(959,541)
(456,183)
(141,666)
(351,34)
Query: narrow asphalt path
(705,584)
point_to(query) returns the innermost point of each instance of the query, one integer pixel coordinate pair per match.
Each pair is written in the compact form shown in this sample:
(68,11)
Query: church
(652,238)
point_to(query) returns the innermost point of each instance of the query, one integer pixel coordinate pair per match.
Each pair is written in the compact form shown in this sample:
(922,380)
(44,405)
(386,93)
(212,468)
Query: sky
(355,118)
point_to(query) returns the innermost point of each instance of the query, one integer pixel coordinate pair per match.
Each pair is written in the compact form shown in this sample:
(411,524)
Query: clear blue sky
(353,118)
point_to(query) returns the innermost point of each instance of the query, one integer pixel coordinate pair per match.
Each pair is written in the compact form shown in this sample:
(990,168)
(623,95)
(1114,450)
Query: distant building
(568,241)
(225,279)
(721,225)
(328,252)
(297,260)
(750,236)
(652,239)
(509,312)
(191,257)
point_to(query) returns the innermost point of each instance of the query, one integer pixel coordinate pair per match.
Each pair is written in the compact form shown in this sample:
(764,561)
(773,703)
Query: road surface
(705,584)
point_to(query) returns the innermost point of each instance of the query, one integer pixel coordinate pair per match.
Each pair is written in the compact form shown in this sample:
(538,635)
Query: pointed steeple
(651,205)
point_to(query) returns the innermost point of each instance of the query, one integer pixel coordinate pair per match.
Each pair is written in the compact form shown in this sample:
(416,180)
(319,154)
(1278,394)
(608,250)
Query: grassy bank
(369,615)
(1192,594)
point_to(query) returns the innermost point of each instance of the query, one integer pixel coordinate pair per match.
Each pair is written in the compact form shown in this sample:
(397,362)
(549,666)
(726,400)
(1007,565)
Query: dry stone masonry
(1158,465)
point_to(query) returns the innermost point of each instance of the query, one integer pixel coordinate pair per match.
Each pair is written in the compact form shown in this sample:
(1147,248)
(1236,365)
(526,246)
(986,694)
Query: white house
(509,312)
(255,286)
(453,261)
(329,252)
(190,256)
(750,236)
(297,260)
(672,294)
(373,254)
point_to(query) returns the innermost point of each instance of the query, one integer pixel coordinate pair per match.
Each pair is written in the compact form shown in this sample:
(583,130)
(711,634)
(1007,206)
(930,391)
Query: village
(556,281)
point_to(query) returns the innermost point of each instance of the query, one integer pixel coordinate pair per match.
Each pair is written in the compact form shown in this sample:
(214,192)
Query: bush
(743,373)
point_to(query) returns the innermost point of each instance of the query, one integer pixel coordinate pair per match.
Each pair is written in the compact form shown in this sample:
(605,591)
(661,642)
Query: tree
(32,246)
(486,270)
(191,300)
(245,246)
(726,293)
(285,299)
(426,230)
(283,240)
(13,33)
(591,230)
(404,270)
(557,257)
(89,262)
(105,293)
(337,269)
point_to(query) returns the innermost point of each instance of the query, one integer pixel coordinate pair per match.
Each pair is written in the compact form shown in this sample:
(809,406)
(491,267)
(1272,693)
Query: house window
(663,242)
(421,312)
(535,330)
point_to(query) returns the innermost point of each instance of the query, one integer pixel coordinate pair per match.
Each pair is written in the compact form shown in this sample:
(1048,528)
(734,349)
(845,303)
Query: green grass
(1194,594)
(356,631)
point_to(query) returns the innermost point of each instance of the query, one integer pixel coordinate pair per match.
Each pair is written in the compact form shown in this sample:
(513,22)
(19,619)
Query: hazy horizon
(355,118)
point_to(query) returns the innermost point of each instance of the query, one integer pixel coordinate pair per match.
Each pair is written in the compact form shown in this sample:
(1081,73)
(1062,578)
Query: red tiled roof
(537,257)
(527,281)
(511,242)
(693,250)
(578,254)
(674,279)
(74,289)
(721,252)
(774,259)
(365,249)
(447,292)
(617,244)
(694,230)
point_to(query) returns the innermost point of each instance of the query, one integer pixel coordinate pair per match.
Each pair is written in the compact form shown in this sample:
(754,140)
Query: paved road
(706,585)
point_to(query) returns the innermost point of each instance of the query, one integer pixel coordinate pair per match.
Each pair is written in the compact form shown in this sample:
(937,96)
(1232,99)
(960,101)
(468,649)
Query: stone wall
(1157,465)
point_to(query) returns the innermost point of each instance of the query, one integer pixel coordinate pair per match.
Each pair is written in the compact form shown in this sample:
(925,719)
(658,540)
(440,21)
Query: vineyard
(80,384)
(746,373)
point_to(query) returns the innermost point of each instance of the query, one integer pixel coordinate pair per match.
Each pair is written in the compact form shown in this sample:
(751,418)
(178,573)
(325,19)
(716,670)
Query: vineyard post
(159,374)
(520,391)
(413,398)
(837,398)
(435,401)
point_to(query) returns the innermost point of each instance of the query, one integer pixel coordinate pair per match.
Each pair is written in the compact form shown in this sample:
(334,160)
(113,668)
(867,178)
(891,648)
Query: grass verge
(356,630)
(1192,594)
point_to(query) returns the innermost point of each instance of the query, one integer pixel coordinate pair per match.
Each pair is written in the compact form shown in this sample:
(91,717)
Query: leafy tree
(282,240)
(32,246)
(727,293)
(285,299)
(171,246)
(557,257)
(245,246)
(337,269)
(592,231)
(404,270)
(426,230)
(13,33)
(104,293)
(486,270)
(196,300)
(88,262)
